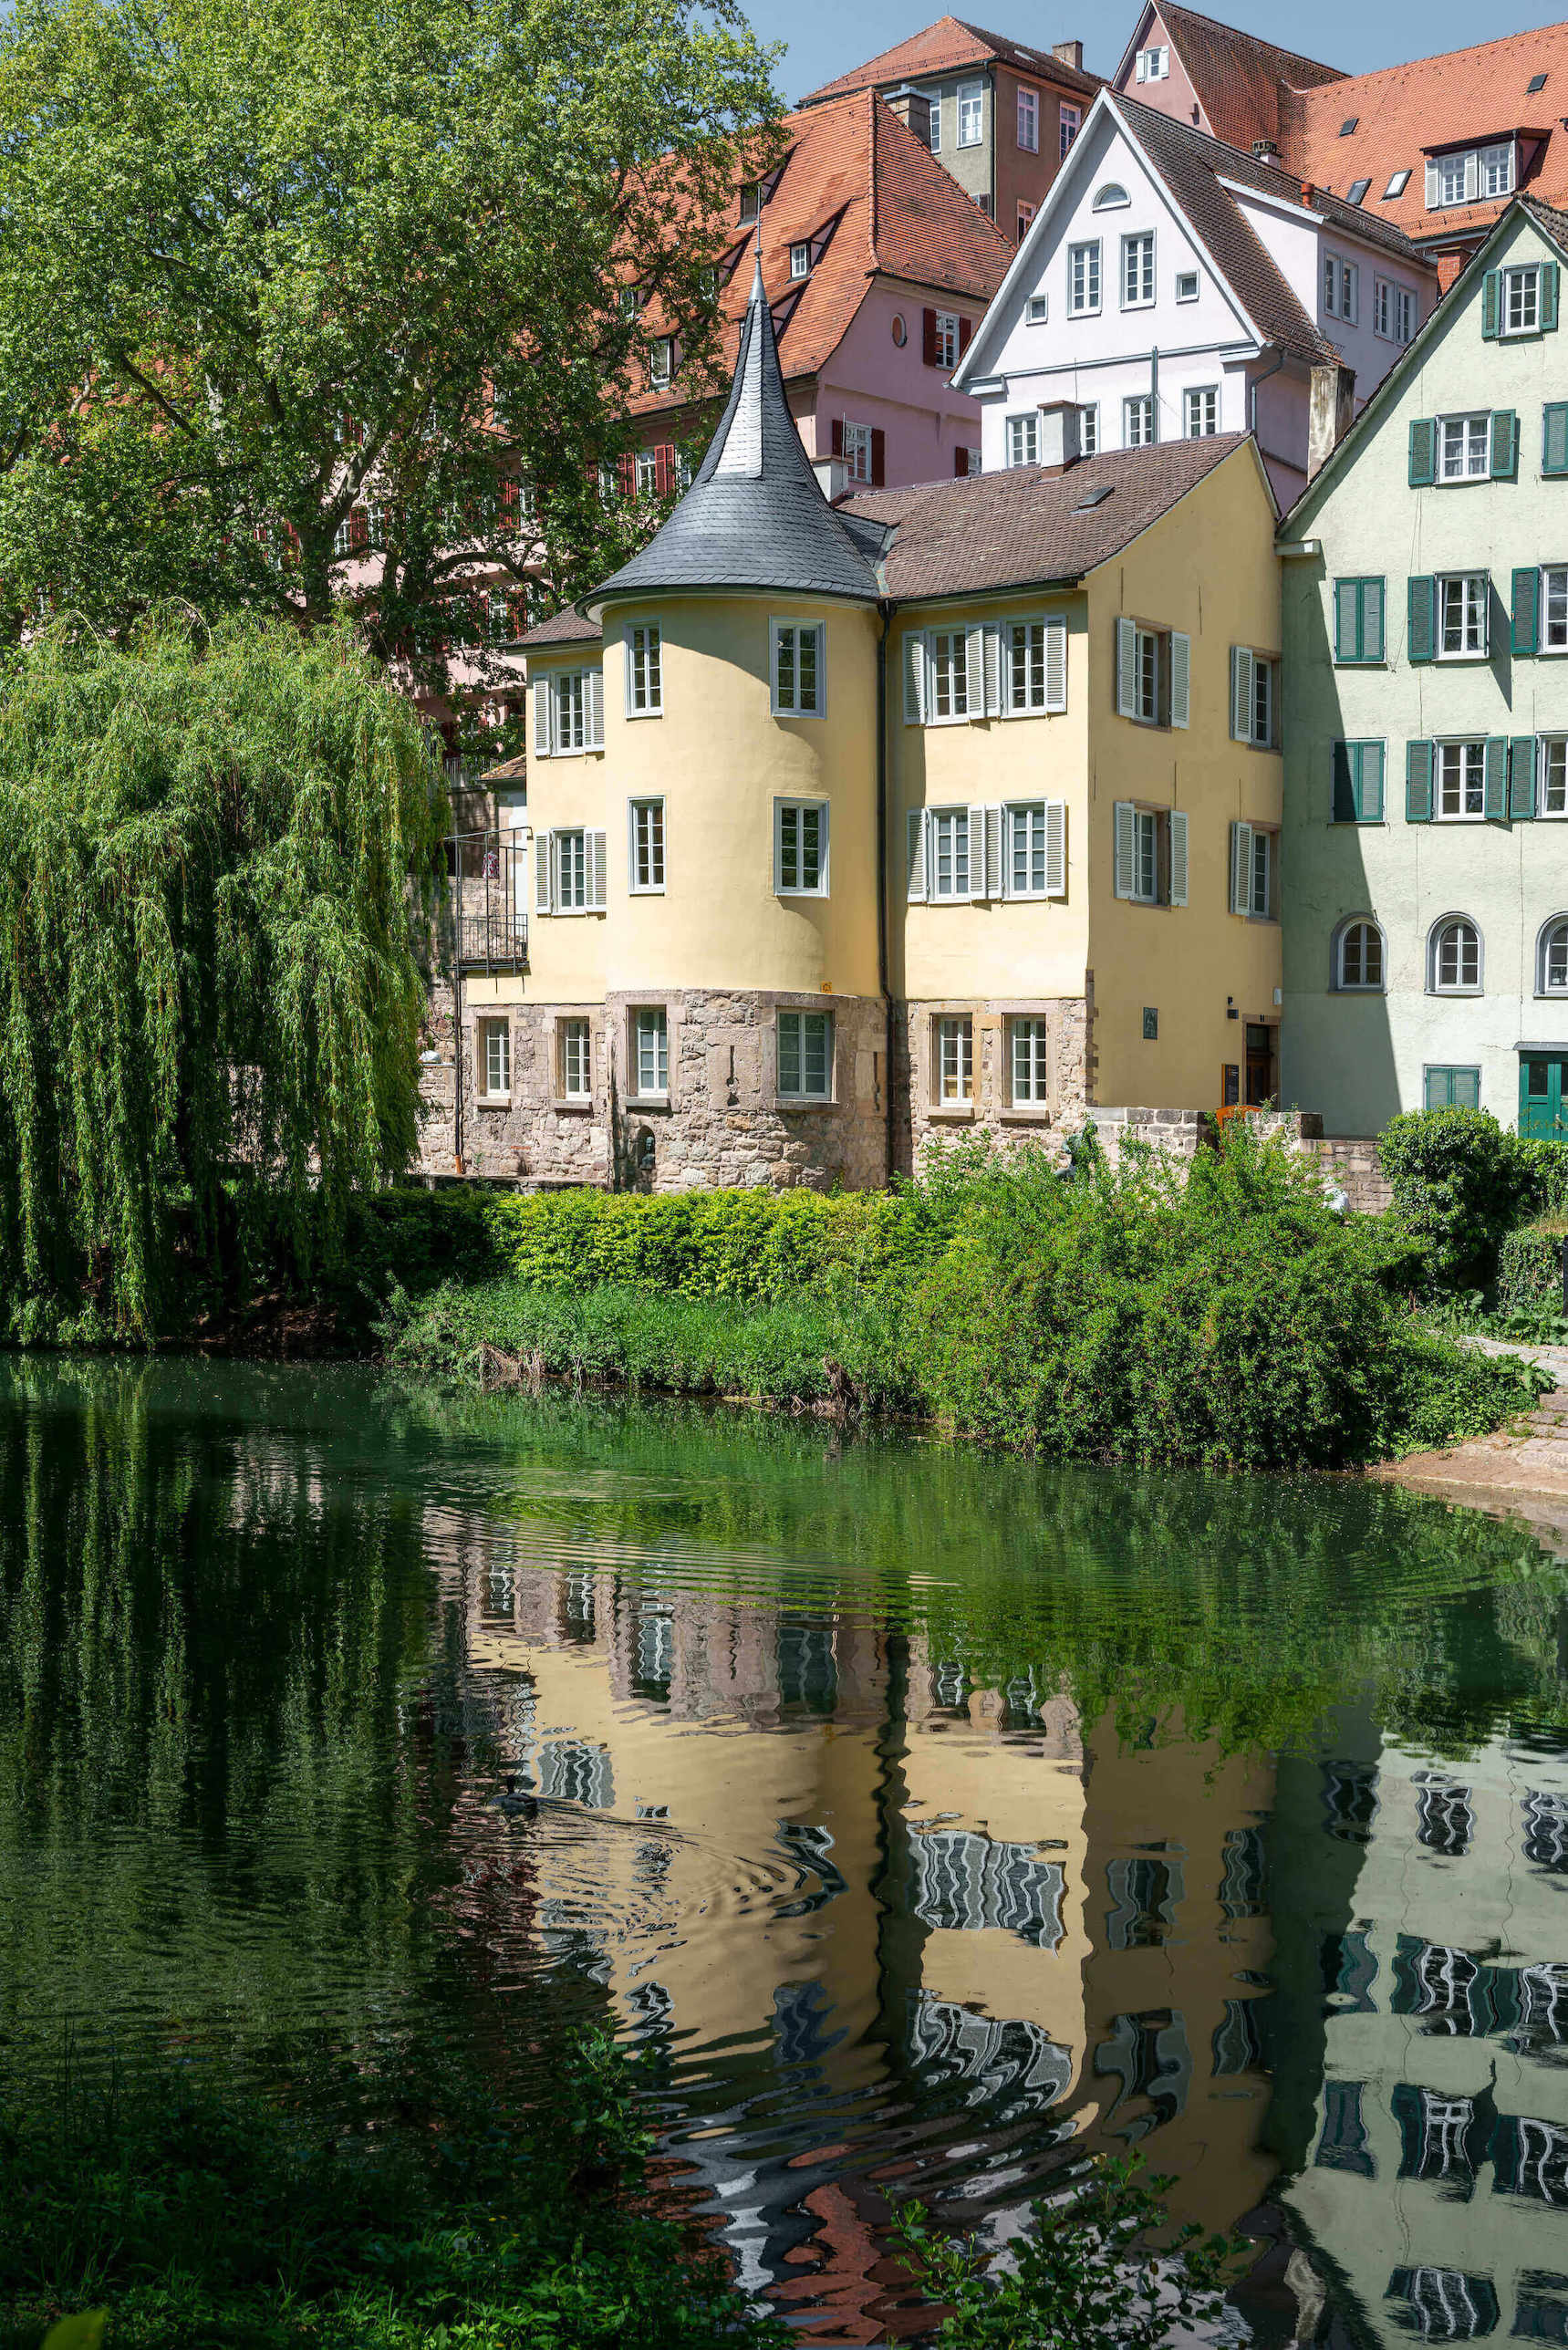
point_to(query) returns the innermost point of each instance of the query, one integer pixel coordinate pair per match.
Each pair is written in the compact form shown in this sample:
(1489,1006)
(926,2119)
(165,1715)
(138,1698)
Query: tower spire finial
(757,294)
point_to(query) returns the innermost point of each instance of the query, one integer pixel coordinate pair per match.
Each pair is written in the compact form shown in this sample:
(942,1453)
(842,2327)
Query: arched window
(1552,963)
(1108,198)
(1454,957)
(1358,956)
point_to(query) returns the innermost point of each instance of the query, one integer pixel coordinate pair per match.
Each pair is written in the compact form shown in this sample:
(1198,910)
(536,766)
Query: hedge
(1530,1268)
(1461,1182)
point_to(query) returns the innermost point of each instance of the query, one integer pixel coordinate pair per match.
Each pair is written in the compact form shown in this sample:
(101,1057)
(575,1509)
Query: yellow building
(856,814)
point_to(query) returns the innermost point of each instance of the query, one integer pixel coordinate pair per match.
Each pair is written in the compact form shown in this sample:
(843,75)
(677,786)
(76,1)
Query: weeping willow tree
(214,851)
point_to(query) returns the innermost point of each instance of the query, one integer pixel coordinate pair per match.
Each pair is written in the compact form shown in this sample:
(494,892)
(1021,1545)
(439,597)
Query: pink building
(878,268)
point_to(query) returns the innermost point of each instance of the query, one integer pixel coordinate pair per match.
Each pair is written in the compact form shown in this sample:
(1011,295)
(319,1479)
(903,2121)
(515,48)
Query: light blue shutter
(1181,676)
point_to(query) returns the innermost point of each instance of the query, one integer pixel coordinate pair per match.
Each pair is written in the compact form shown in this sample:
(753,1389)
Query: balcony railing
(488,878)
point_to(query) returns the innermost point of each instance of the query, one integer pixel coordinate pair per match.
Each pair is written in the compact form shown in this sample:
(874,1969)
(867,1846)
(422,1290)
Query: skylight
(1358,191)
(1095,497)
(1346,128)
(1396,185)
(1536,81)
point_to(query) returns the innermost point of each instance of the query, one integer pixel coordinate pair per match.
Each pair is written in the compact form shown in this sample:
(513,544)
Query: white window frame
(1147,666)
(1154,65)
(800,258)
(1187,285)
(644,669)
(788,812)
(649,1026)
(792,634)
(1456,753)
(951,666)
(1139,410)
(1024,438)
(1473,427)
(1554,928)
(1522,278)
(1032,1030)
(1028,119)
(645,857)
(1145,857)
(1404,315)
(1553,592)
(1025,218)
(1037,310)
(1435,984)
(952,1060)
(1495,165)
(1089,429)
(1036,831)
(1138,262)
(858,450)
(571,864)
(1083,279)
(947,339)
(647,473)
(1552,763)
(1043,650)
(1341,287)
(800,1022)
(662,362)
(936,106)
(971,114)
(1471,592)
(1069,122)
(949,828)
(1194,426)
(1254,862)
(1254,698)
(1344,984)
(494,1058)
(574,1060)
(1383,308)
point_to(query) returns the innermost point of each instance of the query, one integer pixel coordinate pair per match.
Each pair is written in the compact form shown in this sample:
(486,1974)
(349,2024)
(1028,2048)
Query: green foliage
(1460,1182)
(1530,1270)
(739,1244)
(207,974)
(358,258)
(1226,1317)
(197,2213)
(1084,2277)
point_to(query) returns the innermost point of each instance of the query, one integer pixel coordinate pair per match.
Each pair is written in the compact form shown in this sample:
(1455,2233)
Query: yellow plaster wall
(719,758)
(1208,567)
(1035,949)
(565,951)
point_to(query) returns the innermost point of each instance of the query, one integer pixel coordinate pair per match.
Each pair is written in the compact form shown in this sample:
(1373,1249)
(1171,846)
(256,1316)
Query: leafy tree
(207,966)
(313,301)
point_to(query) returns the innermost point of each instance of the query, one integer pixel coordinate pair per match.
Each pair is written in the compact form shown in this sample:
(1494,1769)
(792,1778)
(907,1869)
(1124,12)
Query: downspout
(1252,391)
(886,609)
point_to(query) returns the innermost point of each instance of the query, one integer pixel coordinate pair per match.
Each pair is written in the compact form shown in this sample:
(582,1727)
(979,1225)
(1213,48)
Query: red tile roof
(854,173)
(948,46)
(1237,77)
(1404,110)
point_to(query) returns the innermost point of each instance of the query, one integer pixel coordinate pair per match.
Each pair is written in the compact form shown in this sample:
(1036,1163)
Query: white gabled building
(1172,286)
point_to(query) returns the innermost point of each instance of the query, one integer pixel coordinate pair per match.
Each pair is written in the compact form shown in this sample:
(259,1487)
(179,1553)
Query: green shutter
(1548,296)
(1421,642)
(1465,1084)
(1495,803)
(1423,451)
(1417,783)
(1438,1089)
(1554,437)
(1504,444)
(1522,778)
(1371,789)
(1492,303)
(1373,599)
(1346,810)
(1526,604)
(1347,620)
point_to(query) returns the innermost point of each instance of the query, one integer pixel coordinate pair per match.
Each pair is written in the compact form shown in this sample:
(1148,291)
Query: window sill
(579,1103)
(1347,663)
(1027,1114)
(632,716)
(647,1101)
(1466,994)
(643,889)
(817,1102)
(493,1101)
(952,1113)
(819,895)
(1460,661)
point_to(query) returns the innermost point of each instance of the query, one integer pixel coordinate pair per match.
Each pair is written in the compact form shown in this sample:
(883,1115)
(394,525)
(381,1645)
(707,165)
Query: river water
(926,1817)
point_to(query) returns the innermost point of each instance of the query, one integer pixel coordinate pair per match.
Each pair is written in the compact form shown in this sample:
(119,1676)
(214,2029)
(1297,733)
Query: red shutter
(838,436)
(664,468)
(928,333)
(961,464)
(966,328)
(879,457)
(626,469)
(359,527)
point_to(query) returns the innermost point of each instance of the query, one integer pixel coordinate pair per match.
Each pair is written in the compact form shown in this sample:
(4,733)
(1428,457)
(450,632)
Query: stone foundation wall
(724,1122)
(1351,1161)
(922,1117)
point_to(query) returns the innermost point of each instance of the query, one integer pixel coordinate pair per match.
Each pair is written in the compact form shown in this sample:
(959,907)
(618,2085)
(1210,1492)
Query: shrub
(1530,1270)
(737,1245)
(1460,1182)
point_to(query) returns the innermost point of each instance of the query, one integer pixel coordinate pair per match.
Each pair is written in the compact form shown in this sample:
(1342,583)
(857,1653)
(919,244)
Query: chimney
(913,110)
(1059,433)
(1071,53)
(1265,151)
(1332,407)
(832,477)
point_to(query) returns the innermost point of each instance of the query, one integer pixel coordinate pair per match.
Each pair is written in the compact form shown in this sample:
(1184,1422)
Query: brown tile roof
(946,46)
(1027,526)
(856,174)
(1404,110)
(1237,77)
(566,627)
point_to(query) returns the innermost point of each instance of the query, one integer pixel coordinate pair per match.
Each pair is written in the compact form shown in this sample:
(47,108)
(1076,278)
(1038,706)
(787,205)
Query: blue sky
(826,38)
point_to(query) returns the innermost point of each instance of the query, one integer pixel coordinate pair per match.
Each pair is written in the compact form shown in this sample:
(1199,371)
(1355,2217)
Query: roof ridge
(1440,56)
(1257,40)
(870,96)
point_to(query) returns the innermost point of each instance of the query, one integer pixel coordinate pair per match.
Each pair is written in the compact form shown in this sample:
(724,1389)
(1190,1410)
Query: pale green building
(1425,848)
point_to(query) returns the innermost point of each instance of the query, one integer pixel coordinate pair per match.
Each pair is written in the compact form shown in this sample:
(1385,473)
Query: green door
(1542,1113)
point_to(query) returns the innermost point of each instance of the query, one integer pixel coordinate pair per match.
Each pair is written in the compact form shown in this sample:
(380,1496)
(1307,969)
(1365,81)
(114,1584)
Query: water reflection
(923,1817)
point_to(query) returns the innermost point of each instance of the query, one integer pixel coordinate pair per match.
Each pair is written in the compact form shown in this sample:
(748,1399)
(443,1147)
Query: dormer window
(662,360)
(800,261)
(750,199)
(1468,175)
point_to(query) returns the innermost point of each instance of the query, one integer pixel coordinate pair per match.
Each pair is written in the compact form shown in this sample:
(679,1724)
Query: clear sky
(826,38)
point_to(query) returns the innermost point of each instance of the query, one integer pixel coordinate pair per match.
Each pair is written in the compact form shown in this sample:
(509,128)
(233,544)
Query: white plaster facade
(1196,333)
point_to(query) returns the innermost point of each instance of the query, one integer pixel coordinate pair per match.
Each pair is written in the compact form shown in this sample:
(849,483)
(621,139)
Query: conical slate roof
(755,516)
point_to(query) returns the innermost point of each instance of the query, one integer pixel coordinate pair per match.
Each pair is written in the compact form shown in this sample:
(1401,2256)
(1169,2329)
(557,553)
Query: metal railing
(487,873)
